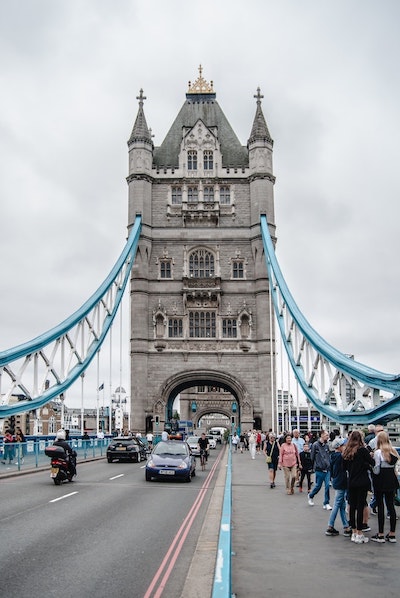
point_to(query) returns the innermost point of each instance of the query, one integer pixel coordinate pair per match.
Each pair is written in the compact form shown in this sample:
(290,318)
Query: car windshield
(170,448)
(124,441)
(193,440)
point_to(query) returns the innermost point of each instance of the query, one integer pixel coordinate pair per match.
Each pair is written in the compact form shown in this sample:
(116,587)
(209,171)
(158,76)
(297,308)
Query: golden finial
(201,85)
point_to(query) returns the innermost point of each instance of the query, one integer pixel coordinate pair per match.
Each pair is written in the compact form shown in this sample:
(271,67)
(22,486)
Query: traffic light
(233,420)
(157,419)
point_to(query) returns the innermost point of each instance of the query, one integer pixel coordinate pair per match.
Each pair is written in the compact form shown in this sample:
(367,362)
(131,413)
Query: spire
(260,129)
(140,131)
(200,87)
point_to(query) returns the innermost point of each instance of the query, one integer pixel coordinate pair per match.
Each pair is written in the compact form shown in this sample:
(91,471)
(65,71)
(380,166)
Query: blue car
(171,459)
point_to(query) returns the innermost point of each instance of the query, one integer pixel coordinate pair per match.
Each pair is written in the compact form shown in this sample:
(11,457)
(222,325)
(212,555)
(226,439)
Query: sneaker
(373,511)
(331,531)
(360,539)
(347,532)
(353,537)
(327,507)
(391,539)
(310,501)
(365,527)
(378,538)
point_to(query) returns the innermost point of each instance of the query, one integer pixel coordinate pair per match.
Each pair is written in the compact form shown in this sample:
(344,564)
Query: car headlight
(150,463)
(183,465)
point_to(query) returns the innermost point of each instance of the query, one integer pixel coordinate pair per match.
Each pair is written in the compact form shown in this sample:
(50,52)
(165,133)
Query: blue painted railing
(223,567)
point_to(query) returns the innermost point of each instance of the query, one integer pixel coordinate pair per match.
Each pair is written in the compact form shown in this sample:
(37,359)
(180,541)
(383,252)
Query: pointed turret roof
(201,104)
(140,131)
(259,129)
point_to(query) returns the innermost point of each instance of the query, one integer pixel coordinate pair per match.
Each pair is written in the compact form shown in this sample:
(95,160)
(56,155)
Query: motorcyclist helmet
(60,435)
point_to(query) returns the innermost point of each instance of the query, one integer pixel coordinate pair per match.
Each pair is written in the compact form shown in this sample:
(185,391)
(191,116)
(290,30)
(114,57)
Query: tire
(109,460)
(57,481)
(148,477)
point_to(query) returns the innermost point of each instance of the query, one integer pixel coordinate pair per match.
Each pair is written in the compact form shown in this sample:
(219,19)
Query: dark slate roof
(206,108)
(260,129)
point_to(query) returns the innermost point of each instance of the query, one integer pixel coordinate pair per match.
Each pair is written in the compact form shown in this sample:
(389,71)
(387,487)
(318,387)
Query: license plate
(54,472)
(166,472)
(121,448)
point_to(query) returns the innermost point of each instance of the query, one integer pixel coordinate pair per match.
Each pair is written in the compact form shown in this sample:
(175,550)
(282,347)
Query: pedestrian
(320,457)
(306,467)
(298,441)
(385,485)
(252,443)
(339,483)
(235,441)
(8,445)
(21,447)
(271,451)
(358,463)
(289,461)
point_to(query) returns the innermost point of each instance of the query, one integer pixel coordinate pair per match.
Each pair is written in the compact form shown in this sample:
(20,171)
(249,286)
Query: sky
(70,73)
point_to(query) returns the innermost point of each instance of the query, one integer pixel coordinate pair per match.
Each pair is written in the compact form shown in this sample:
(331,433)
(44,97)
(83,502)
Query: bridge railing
(223,568)
(19,456)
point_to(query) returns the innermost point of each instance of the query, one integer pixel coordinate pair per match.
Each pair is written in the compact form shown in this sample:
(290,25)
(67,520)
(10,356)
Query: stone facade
(199,288)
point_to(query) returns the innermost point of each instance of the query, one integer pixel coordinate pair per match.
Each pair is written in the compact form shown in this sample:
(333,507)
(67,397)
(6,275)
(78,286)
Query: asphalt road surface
(110,533)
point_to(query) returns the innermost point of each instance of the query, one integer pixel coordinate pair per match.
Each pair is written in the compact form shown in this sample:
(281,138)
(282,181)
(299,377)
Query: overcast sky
(69,76)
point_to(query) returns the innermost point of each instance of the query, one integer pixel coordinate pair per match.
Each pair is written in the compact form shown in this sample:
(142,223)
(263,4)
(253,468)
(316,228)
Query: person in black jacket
(385,485)
(71,455)
(306,467)
(271,452)
(358,464)
(320,456)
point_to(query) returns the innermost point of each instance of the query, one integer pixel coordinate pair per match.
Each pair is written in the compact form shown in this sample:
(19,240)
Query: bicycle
(203,459)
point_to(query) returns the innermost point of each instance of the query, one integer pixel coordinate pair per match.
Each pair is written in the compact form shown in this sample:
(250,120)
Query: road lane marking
(120,475)
(62,497)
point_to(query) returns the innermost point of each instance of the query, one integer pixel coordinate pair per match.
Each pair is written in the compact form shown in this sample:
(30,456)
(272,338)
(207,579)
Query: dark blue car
(171,459)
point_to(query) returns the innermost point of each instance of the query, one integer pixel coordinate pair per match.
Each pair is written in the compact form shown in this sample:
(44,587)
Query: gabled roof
(201,106)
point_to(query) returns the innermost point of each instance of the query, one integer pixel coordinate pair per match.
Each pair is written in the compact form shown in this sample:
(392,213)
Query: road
(106,534)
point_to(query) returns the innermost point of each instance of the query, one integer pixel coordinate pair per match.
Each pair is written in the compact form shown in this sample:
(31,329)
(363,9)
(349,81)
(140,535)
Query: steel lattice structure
(341,388)
(45,367)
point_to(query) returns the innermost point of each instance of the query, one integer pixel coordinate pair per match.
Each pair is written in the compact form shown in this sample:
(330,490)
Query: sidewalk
(280,548)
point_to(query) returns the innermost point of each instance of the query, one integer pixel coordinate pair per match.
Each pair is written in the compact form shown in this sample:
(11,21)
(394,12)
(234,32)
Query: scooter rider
(71,454)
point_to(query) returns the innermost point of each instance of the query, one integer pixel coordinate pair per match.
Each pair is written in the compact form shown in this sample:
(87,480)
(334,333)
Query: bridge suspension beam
(45,367)
(341,388)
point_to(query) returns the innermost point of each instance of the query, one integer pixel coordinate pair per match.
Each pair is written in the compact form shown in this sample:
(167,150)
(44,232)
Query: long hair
(387,449)
(355,441)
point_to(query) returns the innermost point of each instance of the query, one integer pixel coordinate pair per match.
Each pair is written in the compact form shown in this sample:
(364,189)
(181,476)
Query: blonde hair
(387,449)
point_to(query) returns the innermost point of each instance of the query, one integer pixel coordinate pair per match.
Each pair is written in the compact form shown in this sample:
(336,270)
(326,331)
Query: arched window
(201,264)
(192,159)
(208,160)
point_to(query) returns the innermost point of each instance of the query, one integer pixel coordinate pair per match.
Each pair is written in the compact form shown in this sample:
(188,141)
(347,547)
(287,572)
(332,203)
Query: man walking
(320,457)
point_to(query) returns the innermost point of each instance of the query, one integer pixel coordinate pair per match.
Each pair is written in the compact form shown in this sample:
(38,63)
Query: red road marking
(180,537)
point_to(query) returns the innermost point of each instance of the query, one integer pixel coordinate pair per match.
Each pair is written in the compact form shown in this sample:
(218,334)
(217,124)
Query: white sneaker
(360,539)
(353,537)
(310,501)
(327,507)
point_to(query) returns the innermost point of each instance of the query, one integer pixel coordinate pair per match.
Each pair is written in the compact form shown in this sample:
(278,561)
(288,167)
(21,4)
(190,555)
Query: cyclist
(203,448)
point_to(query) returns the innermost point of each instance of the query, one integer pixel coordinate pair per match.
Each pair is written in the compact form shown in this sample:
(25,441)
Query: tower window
(192,159)
(176,195)
(208,160)
(175,328)
(237,269)
(225,195)
(208,193)
(201,264)
(165,269)
(193,195)
(202,324)
(229,328)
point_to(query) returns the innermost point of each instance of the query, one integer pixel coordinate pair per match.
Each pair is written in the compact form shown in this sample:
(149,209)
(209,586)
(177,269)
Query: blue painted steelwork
(108,297)
(222,586)
(286,310)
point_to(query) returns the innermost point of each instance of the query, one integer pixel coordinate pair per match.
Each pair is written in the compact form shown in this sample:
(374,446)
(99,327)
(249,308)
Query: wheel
(109,459)
(148,477)
(57,481)
(189,478)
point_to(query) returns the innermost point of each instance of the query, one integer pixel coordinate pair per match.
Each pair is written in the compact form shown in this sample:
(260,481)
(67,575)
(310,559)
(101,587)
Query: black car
(126,448)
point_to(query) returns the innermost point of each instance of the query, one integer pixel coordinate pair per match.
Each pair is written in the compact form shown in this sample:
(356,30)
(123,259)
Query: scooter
(60,465)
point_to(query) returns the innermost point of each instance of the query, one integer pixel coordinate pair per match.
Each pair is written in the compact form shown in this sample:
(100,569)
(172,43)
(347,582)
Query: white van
(217,433)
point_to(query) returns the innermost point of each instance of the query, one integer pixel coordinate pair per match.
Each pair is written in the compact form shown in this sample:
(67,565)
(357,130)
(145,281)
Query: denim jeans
(339,506)
(321,477)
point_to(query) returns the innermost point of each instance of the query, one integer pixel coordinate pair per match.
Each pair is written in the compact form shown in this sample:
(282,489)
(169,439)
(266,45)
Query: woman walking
(385,485)
(358,463)
(289,461)
(271,452)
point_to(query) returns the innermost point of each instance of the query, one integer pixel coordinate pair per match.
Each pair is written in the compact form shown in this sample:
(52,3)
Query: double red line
(174,550)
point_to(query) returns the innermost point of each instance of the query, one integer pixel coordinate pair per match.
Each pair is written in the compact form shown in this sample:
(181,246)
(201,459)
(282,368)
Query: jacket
(359,469)
(338,473)
(320,456)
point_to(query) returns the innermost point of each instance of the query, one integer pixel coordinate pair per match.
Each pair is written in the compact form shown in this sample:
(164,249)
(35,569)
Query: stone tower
(200,312)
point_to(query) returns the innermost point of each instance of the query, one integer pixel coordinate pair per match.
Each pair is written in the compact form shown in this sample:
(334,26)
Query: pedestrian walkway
(280,548)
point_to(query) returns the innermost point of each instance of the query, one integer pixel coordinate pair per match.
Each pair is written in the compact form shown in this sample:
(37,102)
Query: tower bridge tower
(199,289)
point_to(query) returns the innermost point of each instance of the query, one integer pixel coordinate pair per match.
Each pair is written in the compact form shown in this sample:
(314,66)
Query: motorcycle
(61,469)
